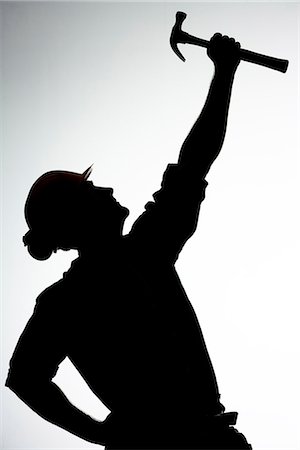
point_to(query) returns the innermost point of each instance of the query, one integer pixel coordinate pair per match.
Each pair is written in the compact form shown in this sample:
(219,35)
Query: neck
(107,247)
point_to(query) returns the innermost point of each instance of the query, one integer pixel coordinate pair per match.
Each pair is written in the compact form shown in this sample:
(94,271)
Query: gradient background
(87,83)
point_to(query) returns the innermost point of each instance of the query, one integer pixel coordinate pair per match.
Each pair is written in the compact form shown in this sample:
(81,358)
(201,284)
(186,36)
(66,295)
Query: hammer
(181,37)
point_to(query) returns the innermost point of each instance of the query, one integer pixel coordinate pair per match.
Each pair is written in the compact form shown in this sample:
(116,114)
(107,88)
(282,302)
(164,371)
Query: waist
(134,430)
(159,417)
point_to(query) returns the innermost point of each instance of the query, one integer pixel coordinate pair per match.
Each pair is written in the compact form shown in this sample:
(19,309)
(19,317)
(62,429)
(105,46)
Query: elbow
(16,385)
(12,381)
(22,386)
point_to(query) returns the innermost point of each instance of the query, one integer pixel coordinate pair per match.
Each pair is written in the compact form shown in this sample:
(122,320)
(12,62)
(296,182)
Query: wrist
(225,71)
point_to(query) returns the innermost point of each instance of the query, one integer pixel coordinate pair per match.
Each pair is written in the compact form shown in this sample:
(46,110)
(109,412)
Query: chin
(125,212)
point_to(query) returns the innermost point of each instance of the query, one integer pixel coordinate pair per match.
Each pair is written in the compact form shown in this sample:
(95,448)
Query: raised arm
(205,139)
(171,219)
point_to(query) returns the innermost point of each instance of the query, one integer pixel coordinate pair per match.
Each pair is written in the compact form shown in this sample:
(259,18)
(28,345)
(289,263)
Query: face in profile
(99,208)
(64,210)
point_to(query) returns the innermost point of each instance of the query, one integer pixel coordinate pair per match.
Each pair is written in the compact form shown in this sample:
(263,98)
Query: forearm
(205,139)
(47,400)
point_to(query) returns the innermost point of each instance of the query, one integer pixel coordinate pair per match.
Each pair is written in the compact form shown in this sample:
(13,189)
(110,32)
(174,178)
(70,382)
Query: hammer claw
(177,51)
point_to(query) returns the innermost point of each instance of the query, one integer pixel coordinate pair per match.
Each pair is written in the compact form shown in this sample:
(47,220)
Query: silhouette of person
(120,314)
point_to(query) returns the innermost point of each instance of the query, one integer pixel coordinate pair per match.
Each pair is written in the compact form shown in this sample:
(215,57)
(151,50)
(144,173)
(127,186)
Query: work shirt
(124,320)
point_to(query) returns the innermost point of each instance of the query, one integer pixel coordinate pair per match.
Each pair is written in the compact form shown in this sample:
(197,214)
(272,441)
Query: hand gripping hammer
(181,37)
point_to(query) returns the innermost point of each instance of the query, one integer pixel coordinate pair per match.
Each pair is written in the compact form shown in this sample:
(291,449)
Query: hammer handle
(246,55)
(263,60)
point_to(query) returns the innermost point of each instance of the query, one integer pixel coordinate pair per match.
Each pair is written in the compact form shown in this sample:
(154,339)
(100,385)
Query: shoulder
(57,291)
(50,302)
(51,291)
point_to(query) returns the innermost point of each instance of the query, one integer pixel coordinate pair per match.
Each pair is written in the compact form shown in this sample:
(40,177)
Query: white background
(87,83)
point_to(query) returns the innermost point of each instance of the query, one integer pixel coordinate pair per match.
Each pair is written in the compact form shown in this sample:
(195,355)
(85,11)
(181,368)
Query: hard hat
(51,193)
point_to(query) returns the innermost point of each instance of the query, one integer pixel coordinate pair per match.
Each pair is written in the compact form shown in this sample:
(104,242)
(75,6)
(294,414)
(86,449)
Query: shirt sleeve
(171,219)
(41,347)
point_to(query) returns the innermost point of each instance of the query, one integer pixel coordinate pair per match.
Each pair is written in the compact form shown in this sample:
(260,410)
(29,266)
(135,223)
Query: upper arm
(170,220)
(40,349)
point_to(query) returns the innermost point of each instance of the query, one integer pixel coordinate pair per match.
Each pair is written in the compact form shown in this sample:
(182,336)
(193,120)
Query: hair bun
(37,245)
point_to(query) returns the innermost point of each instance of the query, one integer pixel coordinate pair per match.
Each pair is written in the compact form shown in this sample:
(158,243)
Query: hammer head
(176,34)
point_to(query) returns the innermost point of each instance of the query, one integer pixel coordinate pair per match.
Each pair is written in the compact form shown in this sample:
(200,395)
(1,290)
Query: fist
(224,52)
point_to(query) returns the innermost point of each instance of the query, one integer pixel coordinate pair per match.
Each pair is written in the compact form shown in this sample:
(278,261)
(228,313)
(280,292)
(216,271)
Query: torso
(134,336)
